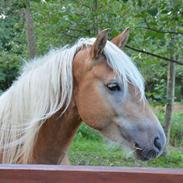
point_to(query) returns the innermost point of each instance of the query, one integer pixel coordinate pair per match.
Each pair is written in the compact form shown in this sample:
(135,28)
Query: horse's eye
(113,87)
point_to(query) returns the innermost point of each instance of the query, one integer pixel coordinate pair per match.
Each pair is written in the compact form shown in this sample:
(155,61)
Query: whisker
(137,148)
(130,153)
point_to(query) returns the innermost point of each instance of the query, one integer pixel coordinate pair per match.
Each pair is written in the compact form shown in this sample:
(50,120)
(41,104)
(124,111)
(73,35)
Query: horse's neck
(55,136)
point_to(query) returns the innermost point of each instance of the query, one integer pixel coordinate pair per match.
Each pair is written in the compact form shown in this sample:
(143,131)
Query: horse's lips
(138,151)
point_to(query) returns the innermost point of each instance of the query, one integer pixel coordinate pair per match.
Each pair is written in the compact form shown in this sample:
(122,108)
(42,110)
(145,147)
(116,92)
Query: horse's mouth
(141,153)
(138,152)
(145,155)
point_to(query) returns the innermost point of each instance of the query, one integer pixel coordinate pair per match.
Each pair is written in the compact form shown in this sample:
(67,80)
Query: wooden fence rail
(85,174)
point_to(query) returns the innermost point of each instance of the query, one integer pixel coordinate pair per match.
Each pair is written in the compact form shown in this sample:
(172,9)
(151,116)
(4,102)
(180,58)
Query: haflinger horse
(93,81)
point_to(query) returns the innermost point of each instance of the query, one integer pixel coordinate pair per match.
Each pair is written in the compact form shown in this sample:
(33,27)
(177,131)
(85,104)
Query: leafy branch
(154,55)
(160,31)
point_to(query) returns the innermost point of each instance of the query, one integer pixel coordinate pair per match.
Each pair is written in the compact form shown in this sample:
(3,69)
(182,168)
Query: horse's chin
(139,156)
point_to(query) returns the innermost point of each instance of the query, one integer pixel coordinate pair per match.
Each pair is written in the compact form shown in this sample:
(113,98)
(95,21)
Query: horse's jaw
(147,143)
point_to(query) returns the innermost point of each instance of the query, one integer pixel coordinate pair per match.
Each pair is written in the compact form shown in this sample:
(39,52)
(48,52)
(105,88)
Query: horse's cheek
(94,110)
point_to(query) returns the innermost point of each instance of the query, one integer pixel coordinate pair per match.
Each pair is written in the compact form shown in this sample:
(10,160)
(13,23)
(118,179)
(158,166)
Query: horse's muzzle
(146,154)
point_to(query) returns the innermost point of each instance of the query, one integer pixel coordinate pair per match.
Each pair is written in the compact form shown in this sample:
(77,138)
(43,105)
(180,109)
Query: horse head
(109,96)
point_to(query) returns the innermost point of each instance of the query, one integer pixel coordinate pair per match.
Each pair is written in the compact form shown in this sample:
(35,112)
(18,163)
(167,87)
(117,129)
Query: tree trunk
(181,92)
(31,41)
(95,17)
(170,99)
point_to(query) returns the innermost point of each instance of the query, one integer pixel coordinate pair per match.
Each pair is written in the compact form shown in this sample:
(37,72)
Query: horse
(92,81)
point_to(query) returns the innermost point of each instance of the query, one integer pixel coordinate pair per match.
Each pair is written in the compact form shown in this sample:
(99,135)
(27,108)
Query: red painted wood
(85,174)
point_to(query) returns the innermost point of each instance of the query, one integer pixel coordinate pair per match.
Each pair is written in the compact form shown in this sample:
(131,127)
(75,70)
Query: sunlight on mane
(45,87)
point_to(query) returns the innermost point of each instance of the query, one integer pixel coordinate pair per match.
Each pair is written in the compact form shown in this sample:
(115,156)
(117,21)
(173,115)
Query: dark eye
(113,87)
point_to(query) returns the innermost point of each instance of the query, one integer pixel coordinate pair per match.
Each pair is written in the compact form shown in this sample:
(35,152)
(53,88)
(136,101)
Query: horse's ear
(99,43)
(121,39)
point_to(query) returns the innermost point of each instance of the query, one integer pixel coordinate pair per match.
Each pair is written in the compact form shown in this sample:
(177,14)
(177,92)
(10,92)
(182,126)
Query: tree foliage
(59,22)
(12,42)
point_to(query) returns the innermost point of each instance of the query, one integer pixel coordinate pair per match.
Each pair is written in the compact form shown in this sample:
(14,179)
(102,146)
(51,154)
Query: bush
(176,135)
(88,133)
(9,67)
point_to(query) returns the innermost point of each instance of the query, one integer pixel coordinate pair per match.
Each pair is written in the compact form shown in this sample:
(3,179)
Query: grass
(89,148)
(101,153)
(176,135)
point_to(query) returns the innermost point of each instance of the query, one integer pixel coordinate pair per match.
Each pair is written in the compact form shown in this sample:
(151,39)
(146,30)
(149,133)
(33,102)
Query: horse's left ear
(100,43)
(121,39)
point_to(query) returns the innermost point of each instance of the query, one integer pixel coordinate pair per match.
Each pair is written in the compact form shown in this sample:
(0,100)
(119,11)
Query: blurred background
(30,28)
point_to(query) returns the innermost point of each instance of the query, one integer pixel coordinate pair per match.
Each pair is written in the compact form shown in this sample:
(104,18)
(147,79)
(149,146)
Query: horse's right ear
(121,39)
(99,43)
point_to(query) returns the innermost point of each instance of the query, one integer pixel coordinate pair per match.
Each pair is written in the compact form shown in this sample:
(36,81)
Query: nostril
(157,143)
